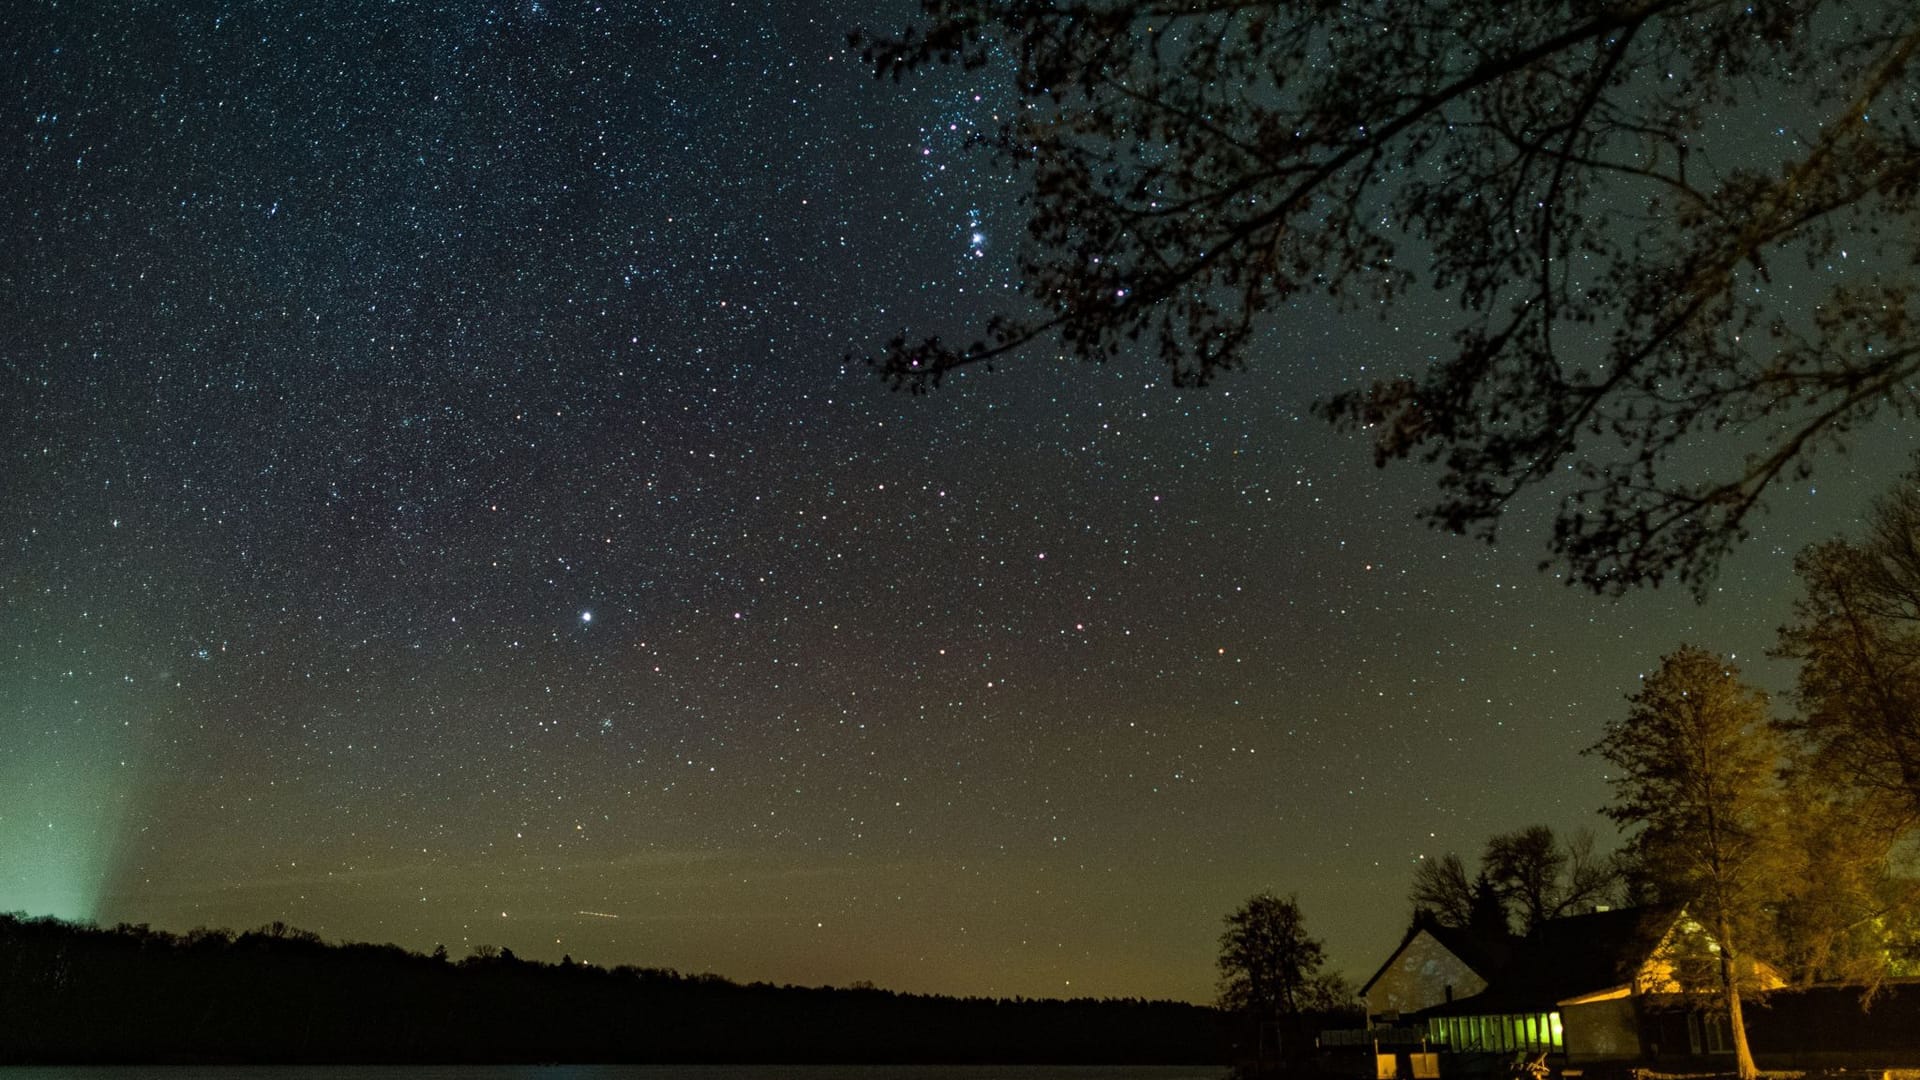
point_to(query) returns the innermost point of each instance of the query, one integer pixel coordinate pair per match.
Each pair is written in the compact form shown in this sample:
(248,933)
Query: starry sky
(437,511)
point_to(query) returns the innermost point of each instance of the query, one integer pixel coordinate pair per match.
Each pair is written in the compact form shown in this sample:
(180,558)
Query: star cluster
(437,510)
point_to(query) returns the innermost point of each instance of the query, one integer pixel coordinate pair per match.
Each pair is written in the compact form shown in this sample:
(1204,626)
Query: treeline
(74,994)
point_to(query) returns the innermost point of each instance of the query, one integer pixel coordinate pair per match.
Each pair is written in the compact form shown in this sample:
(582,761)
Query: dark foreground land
(71,994)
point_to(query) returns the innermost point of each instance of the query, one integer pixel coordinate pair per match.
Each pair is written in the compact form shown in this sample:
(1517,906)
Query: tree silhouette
(1529,874)
(1441,887)
(1270,971)
(1542,878)
(1562,169)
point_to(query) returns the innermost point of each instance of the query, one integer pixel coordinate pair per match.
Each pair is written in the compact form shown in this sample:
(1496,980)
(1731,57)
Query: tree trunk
(1736,1023)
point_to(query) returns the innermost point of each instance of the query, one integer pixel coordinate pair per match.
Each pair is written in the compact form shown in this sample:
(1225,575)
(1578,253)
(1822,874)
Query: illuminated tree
(1590,184)
(1845,915)
(1856,633)
(1856,730)
(1696,763)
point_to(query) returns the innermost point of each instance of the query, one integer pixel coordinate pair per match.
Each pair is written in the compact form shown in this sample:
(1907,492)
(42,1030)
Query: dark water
(624,1073)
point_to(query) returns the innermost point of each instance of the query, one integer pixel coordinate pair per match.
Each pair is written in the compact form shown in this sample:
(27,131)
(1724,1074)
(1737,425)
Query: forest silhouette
(80,994)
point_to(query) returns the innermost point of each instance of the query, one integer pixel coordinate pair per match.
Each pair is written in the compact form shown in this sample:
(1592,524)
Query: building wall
(1822,1027)
(1419,977)
(1601,1031)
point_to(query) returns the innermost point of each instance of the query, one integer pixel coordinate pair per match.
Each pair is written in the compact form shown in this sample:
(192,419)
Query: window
(1708,1033)
(1465,1034)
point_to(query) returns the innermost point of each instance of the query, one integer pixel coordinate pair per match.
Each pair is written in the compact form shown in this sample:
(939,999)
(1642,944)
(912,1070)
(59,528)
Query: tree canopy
(1646,249)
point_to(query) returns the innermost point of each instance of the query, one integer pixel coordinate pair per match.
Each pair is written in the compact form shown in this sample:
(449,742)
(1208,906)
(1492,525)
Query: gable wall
(1419,976)
(1687,949)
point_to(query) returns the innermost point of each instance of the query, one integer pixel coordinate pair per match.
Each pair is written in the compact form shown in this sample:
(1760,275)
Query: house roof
(1568,957)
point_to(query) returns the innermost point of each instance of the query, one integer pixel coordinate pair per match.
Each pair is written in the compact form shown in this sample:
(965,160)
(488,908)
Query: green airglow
(63,798)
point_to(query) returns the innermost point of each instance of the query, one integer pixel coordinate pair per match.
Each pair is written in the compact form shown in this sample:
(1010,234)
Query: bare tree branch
(1195,164)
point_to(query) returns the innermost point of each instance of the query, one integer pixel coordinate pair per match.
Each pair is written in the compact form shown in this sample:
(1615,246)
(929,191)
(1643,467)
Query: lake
(617,1073)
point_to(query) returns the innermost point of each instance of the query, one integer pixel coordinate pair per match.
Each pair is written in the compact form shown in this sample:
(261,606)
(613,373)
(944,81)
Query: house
(1604,988)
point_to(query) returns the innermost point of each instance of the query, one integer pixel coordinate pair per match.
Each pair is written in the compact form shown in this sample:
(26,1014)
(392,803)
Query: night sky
(436,510)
